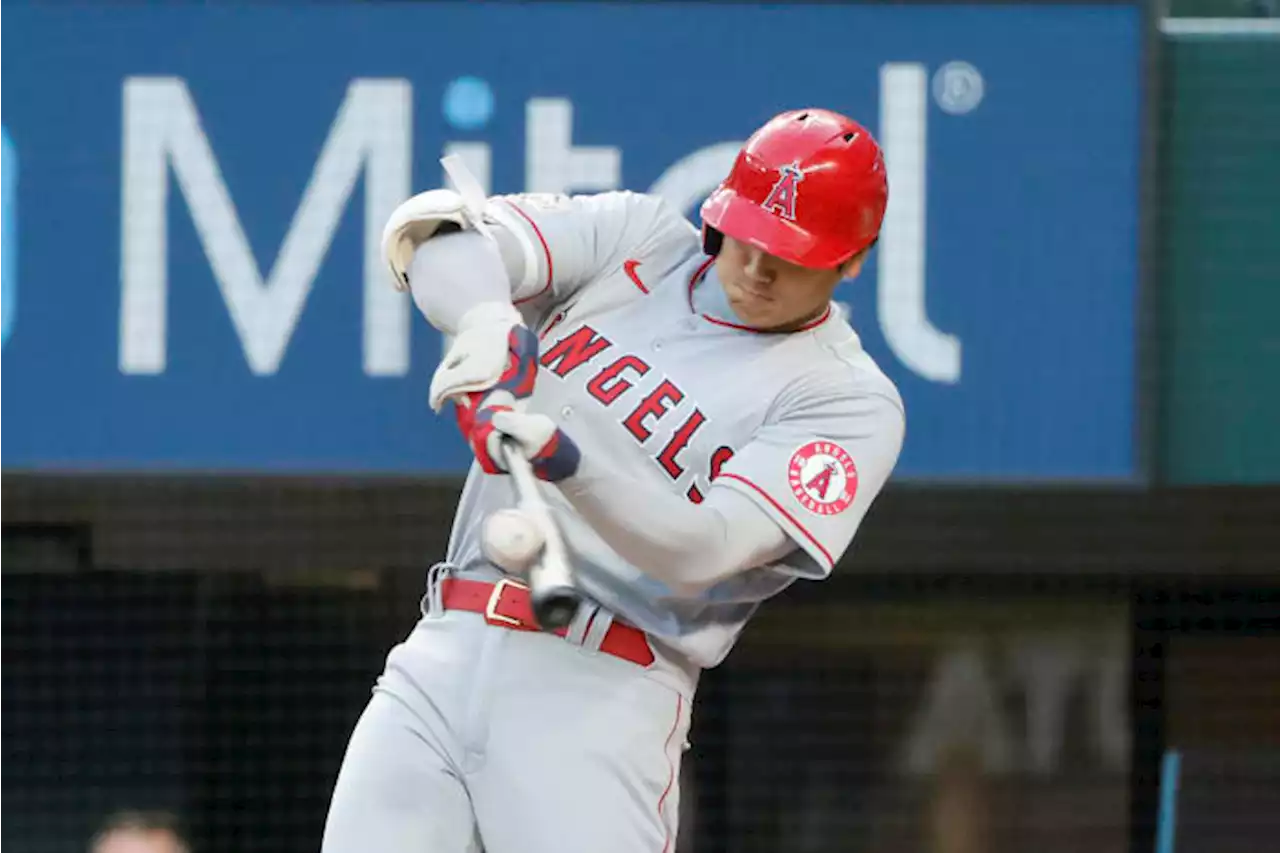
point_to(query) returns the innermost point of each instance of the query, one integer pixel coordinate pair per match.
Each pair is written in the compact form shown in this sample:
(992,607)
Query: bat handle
(554,607)
(553,596)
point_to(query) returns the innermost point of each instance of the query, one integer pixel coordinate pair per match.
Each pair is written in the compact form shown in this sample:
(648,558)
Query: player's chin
(753,311)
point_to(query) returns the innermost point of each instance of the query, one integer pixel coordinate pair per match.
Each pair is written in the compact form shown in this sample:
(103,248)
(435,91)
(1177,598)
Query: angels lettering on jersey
(610,382)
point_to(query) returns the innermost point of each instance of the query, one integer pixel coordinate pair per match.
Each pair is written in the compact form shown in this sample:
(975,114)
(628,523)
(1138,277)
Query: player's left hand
(492,350)
(551,453)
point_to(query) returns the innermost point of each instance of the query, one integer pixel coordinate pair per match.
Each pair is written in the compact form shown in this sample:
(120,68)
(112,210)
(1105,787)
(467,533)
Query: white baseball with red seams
(512,540)
(645,367)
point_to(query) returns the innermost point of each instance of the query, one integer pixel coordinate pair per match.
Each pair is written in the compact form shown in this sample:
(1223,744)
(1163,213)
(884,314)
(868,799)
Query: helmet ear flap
(712,240)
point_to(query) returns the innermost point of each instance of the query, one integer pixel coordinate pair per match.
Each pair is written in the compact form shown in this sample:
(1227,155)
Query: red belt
(507,605)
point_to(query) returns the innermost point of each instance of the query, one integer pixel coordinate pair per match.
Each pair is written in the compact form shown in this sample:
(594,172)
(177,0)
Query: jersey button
(566,411)
(657,345)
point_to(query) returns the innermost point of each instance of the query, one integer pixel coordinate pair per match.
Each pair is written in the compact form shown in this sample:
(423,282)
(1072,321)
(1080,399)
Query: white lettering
(692,178)
(1048,668)
(553,164)
(961,710)
(901,279)
(161,127)
(1110,705)
(1010,705)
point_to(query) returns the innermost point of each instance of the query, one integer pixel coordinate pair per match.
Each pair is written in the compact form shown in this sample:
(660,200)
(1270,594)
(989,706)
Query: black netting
(889,723)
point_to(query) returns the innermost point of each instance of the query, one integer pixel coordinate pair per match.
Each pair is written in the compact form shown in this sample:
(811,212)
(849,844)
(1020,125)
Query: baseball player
(705,430)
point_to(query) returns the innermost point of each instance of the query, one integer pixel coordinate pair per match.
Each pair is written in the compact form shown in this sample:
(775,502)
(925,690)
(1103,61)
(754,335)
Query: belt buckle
(491,613)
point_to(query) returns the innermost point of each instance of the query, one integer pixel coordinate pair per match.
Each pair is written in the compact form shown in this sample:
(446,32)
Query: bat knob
(555,608)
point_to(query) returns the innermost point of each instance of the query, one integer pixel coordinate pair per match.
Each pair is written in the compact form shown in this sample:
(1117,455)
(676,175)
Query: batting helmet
(809,187)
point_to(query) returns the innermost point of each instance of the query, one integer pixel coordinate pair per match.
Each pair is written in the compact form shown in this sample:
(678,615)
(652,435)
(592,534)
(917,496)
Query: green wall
(1218,283)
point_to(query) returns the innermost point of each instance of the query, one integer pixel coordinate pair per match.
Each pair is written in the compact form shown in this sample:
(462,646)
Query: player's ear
(853,266)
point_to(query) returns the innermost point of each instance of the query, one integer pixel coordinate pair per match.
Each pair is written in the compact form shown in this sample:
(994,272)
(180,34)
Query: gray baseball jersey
(478,737)
(643,366)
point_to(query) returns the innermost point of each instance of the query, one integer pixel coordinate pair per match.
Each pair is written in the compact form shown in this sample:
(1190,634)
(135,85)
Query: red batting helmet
(808,187)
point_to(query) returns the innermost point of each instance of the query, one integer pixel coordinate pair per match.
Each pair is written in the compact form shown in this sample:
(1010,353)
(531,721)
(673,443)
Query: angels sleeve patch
(823,477)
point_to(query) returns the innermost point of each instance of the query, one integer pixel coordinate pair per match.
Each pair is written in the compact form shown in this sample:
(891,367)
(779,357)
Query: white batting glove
(492,349)
(551,453)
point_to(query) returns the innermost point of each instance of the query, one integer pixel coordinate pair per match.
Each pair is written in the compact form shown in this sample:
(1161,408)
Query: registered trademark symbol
(957,87)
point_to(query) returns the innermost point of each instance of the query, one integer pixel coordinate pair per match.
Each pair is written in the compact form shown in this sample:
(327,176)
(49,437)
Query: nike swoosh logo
(629,267)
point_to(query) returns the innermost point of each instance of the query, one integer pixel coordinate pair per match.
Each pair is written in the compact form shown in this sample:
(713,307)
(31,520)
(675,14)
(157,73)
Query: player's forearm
(453,273)
(689,547)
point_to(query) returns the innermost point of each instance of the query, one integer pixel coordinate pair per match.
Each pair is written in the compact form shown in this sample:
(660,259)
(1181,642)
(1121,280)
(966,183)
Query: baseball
(512,540)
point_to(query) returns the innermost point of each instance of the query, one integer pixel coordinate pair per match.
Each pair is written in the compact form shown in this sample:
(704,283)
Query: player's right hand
(492,350)
(552,454)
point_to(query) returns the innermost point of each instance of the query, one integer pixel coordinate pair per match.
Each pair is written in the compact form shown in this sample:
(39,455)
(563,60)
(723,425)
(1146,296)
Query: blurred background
(222,486)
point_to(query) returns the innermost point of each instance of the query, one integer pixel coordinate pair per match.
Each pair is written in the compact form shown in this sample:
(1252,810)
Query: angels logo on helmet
(782,198)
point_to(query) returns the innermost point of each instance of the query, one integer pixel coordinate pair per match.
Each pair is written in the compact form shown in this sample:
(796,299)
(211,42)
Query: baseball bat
(555,599)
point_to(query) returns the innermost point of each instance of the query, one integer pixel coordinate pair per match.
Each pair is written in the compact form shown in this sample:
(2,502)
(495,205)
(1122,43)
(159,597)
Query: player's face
(771,294)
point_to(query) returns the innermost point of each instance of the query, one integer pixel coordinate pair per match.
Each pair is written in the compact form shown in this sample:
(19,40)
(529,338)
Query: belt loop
(577,632)
(433,599)
(599,627)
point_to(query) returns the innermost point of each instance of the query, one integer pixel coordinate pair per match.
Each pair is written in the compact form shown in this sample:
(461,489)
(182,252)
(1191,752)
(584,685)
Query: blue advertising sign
(203,187)
(9,227)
